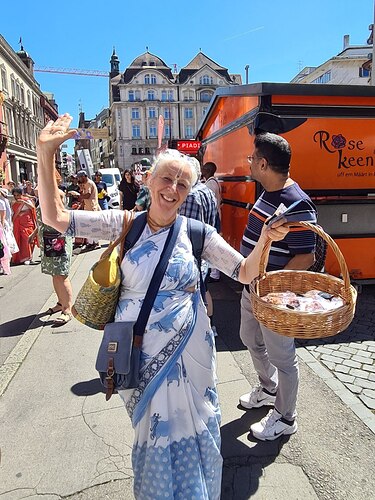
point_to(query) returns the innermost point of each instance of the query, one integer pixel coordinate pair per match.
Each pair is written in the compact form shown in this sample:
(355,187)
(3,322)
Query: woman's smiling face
(169,187)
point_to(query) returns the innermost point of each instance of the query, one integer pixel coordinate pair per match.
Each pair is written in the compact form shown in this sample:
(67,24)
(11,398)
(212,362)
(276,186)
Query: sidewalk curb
(23,346)
(347,397)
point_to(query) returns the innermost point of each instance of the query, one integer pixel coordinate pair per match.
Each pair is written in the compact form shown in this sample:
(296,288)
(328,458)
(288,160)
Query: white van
(112,177)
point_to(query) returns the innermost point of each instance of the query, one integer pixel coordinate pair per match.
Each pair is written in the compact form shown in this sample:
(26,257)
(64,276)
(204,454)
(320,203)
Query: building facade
(349,67)
(148,89)
(25,111)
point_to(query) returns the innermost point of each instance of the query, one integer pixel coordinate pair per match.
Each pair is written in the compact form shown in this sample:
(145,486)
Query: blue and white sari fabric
(174,411)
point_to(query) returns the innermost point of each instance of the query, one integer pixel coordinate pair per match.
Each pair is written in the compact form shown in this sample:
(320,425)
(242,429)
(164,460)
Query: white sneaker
(257,398)
(272,426)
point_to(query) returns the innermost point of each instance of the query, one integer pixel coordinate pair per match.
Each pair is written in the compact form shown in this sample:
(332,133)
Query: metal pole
(247,72)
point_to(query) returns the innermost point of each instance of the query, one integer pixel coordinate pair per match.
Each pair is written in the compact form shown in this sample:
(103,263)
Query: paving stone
(334,347)
(364,354)
(359,373)
(362,359)
(372,377)
(369,402)
(369,393)
(344,377)
(350,350)
(371,348)
(366,384)
(341,355)
(358,345)
(353,364)
(342,369)
(354,388)
(328,357)
(369,368)
(329,364)
(324,350)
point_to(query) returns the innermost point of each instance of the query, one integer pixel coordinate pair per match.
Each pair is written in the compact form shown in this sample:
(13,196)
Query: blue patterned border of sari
(158,369)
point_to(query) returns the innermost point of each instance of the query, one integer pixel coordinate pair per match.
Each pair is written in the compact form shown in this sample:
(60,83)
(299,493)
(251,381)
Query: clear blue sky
(275,38)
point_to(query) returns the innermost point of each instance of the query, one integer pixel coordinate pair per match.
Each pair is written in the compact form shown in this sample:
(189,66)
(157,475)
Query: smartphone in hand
(290,214)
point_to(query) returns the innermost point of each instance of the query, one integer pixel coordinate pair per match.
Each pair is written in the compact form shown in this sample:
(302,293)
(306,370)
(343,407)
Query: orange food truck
(331,130)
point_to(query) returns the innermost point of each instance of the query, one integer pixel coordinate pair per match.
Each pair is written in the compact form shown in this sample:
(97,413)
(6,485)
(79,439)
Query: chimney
(346,41)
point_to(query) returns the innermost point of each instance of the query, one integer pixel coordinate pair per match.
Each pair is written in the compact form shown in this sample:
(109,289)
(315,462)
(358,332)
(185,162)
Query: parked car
(112,177)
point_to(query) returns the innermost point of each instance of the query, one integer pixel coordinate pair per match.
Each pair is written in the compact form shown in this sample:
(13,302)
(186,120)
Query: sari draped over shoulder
(24,223)
(175,410)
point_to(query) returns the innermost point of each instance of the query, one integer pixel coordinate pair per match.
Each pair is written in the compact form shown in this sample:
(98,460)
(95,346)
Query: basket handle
(127,224)
(318,230)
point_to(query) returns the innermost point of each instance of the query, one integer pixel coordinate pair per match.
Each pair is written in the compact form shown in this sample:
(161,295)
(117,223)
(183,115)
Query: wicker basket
(303,325)
(97,300)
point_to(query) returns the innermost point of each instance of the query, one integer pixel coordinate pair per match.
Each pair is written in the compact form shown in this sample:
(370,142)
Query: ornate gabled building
(25,111)
(149,88)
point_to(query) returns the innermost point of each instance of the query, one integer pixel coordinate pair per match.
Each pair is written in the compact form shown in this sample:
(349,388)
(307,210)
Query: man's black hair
(275,149)
(210,168)
(17,190)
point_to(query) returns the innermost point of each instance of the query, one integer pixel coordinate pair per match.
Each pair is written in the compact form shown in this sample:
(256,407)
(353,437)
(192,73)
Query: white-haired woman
(176,452)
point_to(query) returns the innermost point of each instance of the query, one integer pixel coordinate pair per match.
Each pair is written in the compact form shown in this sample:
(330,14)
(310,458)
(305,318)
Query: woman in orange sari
(24,224)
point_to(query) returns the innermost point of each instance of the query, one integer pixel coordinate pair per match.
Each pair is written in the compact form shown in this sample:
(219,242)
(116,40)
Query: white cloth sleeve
(220,255)
(103,225)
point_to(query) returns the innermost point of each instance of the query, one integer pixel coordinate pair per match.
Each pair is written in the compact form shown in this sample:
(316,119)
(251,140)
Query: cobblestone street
(350,356)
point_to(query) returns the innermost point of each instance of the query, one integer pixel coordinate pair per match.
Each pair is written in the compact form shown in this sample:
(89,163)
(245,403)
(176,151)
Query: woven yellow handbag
(96,301)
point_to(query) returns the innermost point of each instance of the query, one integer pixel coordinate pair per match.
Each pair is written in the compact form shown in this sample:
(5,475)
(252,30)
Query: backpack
(196,232)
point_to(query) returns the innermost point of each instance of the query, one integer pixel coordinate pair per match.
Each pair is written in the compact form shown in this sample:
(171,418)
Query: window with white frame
(22,94)
(188,95)
(167,132)
(152,112)
(167,113)
(136,131)
(131,96)
(188,113)
(153,79)
(206,80)
(151,95)
(189,132)
(164,95)
(147,79)
(29,99)
(152,131)
(135,113)
(13,86)
(4,80)
(170,95)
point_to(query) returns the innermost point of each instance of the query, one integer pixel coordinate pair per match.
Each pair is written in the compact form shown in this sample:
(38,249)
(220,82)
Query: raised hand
(55,133)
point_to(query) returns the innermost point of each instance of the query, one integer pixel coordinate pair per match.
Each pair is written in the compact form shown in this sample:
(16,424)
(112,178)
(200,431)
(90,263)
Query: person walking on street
(128,190)
(89,199)
(24,224)
(101,186)
(72,191)
(175,411)
(274,356)
(56,257)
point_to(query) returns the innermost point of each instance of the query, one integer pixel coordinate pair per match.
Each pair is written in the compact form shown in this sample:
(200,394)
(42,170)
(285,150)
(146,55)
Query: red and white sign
(188,146)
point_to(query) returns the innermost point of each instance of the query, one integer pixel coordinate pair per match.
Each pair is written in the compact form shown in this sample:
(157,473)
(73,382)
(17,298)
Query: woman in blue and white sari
(174,410)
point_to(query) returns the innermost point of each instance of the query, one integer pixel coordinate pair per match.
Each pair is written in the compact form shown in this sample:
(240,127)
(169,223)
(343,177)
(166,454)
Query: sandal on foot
(62,319)
(53,310)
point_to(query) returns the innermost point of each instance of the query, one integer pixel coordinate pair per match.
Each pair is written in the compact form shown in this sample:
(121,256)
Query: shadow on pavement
(19,326)
(88,388)
(244,463)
